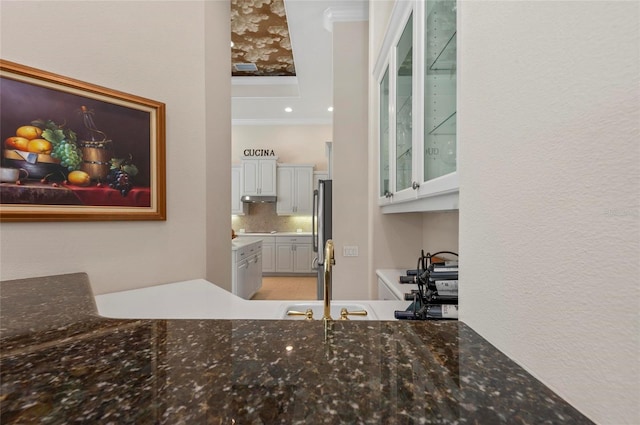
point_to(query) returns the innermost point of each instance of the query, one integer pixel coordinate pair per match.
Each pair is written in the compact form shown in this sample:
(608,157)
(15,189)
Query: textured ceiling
(260,35)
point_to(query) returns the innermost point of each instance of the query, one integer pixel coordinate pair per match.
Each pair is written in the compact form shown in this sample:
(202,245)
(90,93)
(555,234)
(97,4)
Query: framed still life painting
(75,151)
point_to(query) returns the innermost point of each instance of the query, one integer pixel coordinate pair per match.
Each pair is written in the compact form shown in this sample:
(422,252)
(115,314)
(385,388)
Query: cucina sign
(259,152)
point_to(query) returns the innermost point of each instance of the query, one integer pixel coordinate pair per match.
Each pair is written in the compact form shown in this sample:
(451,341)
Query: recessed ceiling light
(232,44)
(249,67)
(288,109)
(330,109)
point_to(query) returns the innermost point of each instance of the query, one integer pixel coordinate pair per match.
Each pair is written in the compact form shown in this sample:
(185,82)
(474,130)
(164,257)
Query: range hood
(255,199)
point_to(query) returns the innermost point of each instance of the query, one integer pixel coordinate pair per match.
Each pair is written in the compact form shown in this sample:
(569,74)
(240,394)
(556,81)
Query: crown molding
(282,121)
(263,81)
(352,13)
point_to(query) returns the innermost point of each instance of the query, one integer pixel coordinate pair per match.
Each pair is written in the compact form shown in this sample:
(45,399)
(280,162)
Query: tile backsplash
(263,218)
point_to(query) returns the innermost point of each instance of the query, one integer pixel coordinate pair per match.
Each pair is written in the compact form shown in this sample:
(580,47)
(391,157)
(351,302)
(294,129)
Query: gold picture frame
(82,152)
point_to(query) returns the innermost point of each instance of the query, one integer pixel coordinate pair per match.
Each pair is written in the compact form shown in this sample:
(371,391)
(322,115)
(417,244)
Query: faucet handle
(308,314)
(344,313)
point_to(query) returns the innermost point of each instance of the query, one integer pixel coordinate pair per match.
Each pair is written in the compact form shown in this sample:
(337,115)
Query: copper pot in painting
(96,158)
(96,150)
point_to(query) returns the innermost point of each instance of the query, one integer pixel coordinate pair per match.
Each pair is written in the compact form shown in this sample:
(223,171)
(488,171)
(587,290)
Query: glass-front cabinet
(384,136)
(416,75)
(404,107)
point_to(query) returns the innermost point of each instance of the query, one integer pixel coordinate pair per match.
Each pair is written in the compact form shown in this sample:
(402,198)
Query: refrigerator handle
(314,219)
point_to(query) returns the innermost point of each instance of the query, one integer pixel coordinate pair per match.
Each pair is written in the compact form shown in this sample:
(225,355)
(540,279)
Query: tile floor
(287,288)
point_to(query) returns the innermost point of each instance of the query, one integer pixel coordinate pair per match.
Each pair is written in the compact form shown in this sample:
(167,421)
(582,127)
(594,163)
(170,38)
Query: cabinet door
(284,258)
(285,201)
(250,177)
(242,277)
(303,257)
(267,177)
(439,89)
(255,274)
(268,258)
(404,108)
(303,190)
(385,189)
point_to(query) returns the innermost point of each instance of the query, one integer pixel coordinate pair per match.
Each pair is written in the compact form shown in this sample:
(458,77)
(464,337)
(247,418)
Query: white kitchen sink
(318,309)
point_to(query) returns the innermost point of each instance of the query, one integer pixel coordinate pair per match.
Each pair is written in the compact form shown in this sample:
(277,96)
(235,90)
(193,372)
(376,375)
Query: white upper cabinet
(416,104)
(295,189)
(259,176)
(237,207)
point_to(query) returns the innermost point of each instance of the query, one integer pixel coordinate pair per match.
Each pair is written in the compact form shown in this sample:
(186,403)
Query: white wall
(350,161)
(135,47)
(217,27)
(549,201)
(440,232)
(294,144)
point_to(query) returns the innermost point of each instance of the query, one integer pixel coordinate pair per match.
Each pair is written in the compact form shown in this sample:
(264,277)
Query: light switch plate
(350,251)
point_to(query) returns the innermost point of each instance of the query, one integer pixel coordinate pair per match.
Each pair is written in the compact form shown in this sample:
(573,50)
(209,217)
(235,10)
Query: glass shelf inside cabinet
(446,58)
(440,144)
(441,34)
(446,127)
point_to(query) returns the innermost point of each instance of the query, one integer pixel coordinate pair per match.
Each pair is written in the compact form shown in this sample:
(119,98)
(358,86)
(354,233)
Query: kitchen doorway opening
(287,288)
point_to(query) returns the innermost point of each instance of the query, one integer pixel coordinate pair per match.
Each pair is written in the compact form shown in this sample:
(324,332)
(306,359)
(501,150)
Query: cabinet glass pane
(440,89)
(384,134)
(404,85)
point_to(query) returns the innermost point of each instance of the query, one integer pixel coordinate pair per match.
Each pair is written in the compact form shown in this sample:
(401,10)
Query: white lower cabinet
(293,254)
(246,270)
(254,275)
(269,256)
(303,255)
(284,258)
(268,250)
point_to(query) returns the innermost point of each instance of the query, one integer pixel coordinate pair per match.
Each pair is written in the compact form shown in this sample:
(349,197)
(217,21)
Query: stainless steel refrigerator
(321,228)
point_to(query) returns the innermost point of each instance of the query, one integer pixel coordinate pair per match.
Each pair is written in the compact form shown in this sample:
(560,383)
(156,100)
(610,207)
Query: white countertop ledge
(274,234)
(235,243)
(201,299)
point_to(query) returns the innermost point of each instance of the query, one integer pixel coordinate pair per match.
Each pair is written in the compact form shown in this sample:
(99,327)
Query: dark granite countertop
(62,363)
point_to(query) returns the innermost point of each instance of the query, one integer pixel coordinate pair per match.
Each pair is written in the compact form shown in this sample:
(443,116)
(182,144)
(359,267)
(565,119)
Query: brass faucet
(329,261)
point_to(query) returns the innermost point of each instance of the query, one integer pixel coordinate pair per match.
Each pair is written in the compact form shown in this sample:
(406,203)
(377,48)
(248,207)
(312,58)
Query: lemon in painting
(79,178)
(40,146)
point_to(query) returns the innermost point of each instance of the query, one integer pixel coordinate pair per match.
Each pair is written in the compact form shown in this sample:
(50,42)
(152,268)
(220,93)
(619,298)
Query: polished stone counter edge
(62,363)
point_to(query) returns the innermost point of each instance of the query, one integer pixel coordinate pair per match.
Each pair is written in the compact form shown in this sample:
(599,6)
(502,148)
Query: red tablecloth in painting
(46,194)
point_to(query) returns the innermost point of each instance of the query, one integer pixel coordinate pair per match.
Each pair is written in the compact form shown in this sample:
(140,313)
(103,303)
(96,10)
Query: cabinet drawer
(254,248)
(293,239)
(248,250)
